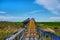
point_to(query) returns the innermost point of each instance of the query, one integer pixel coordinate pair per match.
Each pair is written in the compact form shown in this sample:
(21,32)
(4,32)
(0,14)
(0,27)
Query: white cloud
(32,13)
(54,18)
(52,5)
(35,11)
(49,19)
(9,17)
(58,18)
(2,12)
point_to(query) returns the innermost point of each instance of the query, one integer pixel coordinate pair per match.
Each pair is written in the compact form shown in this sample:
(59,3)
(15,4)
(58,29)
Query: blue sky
(19,10)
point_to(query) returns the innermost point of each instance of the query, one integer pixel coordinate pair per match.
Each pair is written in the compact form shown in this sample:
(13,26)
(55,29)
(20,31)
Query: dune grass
(52,25)
(8,28)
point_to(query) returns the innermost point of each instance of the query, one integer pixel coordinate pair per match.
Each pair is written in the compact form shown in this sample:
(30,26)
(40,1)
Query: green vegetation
(50,23)
(53,25)
(7,28)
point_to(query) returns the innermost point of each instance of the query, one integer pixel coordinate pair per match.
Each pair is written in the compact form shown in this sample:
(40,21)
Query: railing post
(45,37)
(51,37)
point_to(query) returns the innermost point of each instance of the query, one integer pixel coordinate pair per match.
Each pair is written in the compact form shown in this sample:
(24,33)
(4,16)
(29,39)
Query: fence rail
(51,35)
(16,36)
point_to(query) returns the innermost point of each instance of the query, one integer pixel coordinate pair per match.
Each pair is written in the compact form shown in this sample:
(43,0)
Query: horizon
(40,10)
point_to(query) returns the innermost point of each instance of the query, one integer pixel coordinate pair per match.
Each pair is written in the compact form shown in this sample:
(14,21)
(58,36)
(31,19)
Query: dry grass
(7,31)
(53,29)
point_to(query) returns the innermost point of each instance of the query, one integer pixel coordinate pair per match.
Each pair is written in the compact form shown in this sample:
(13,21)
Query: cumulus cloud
(52,5)
(2,12)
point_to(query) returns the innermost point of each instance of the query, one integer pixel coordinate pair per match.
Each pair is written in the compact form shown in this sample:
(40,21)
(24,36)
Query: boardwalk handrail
(12,37)
(17,35)
(53,36)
